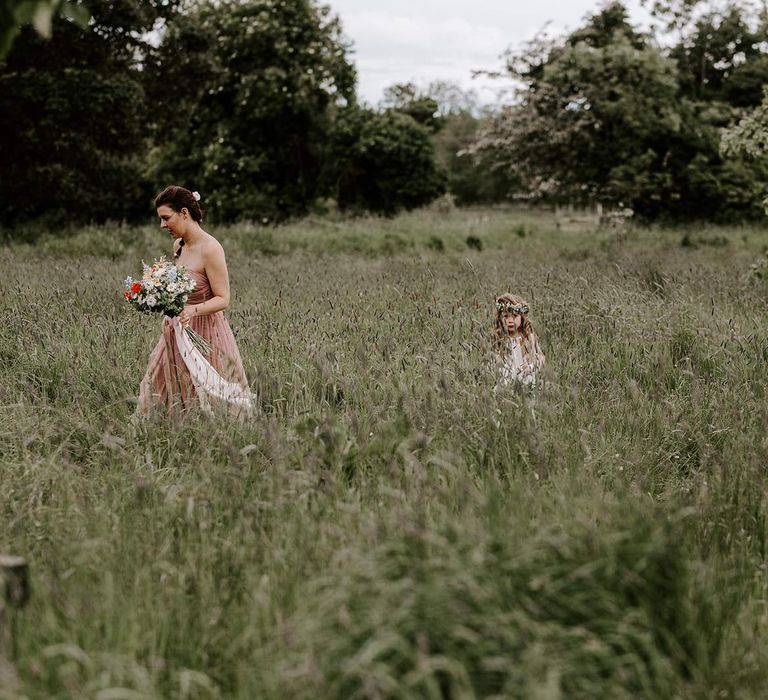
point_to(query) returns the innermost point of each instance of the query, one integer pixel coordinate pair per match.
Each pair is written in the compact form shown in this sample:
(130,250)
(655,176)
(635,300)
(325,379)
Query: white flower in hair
(196,195)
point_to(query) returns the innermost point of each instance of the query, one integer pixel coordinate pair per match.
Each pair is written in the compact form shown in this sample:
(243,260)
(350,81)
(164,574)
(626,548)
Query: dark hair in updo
(178,198)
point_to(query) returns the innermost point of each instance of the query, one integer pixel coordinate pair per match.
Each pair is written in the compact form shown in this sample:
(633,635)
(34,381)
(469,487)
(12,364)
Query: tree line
(253,103)
(633,118)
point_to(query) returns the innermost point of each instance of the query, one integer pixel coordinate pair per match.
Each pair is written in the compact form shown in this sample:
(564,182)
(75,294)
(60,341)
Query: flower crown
(196,196)
(510,308)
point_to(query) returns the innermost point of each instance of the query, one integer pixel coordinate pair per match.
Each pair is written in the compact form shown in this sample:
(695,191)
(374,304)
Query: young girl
(517,355)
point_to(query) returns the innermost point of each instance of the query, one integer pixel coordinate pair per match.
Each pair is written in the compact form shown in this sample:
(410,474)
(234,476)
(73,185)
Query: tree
(594,104)
(715,58)
(38,13)
(601,117)
(245,95)
(720,50)
(73,117)
(407,99)
(472,178)
(452,117)
(722,59)
(451,98)
(385,162)
(750,136)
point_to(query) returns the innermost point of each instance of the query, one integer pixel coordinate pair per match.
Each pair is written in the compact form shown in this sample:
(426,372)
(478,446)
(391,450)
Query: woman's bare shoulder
(212,249)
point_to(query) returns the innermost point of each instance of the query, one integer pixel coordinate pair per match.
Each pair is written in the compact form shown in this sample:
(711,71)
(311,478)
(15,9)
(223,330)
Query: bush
(385,162)
(474,243)
(436,243)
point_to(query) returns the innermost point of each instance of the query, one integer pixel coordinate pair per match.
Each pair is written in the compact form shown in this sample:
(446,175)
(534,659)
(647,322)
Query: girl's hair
(500,335)
(178,198)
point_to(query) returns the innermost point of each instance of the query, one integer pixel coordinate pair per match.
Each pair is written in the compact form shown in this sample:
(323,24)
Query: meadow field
(387,526)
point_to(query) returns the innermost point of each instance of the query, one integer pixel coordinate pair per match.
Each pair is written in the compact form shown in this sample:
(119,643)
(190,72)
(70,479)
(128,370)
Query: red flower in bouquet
(164,288)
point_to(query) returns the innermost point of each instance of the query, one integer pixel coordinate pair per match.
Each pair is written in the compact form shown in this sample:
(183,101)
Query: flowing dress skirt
(167,384)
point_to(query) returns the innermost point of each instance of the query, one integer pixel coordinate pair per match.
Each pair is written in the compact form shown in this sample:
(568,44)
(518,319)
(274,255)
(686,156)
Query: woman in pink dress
(168,384)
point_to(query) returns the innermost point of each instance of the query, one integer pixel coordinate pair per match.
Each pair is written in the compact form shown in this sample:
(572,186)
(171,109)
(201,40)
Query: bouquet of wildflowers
(164,287)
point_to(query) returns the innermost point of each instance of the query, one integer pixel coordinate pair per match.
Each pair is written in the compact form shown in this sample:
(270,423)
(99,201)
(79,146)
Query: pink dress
(167,384)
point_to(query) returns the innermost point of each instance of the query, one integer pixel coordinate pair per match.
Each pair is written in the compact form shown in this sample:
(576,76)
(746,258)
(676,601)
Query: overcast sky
(423,40)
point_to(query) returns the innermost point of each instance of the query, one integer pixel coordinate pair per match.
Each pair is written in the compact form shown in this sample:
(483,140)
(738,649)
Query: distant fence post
(578,218)
(14,593)
(591,217)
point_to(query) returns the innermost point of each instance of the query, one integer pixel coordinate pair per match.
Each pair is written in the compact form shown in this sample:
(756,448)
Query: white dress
(514,365)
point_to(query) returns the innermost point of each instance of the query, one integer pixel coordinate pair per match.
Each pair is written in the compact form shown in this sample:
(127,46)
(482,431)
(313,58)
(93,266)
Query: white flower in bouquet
(164,288)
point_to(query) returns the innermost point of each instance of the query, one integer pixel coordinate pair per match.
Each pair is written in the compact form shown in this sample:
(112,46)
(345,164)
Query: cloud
(418,36)
(396,48)
(425,40)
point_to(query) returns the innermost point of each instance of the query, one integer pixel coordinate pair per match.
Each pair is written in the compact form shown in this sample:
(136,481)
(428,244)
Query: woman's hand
(187,314)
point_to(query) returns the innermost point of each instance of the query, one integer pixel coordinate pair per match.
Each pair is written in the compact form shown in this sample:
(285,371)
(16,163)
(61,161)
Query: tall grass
(388,526)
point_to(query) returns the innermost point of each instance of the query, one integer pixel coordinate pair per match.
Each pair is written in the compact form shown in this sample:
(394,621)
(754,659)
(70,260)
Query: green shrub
(474,243)
(436,243)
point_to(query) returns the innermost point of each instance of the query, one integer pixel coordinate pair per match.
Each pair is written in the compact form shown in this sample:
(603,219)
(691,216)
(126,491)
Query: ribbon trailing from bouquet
(208,382)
